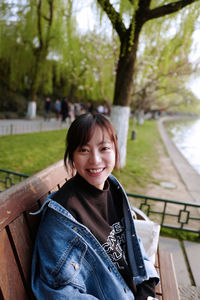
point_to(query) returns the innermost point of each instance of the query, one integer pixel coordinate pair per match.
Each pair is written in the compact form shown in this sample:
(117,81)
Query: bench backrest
(18,229)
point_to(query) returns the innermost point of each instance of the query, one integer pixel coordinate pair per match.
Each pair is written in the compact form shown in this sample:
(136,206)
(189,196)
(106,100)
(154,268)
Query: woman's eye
(83,150)
(105,148)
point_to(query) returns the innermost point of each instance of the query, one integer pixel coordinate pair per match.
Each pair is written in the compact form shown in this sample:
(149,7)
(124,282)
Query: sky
(86,22)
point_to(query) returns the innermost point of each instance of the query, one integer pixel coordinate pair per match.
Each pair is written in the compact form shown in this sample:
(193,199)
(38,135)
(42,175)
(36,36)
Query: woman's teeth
(95,171)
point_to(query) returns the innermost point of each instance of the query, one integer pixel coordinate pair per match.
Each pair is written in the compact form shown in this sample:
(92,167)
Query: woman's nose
(95,157)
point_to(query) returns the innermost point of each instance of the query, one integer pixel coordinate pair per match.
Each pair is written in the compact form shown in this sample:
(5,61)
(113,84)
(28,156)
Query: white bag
(148,231)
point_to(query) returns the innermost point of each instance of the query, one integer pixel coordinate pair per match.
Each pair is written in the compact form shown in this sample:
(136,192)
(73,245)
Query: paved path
(189,176)
(186,254)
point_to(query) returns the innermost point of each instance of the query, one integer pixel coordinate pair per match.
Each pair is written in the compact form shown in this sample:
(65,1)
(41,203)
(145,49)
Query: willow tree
(138,12)
(164,67)
(37,33)
(91,67)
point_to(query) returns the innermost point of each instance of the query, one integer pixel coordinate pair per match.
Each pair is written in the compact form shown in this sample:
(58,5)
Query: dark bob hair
(81,131)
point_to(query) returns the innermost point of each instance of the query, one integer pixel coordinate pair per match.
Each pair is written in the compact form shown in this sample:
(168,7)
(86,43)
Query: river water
(186,136)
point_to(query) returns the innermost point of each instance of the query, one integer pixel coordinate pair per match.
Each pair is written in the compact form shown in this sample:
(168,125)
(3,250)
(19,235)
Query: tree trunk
(40,57)
(31,110)
(124,79)
(122,97)
(120,120)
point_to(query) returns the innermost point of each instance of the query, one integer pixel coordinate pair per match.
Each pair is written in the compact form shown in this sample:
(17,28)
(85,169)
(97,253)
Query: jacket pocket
(71,268)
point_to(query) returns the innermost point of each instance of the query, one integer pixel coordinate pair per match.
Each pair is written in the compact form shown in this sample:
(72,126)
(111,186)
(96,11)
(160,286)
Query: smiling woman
(97,154)
(87,246)
(96,160)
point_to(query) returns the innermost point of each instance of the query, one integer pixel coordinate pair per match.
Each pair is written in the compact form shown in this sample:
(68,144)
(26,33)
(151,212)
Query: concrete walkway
(186,255)
(188,175)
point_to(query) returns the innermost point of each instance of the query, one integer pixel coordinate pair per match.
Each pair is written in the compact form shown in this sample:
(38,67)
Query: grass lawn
(142,157)
(30,153)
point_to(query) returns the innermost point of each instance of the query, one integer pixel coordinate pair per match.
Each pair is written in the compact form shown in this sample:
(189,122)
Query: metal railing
(170,213)
(21,127)
(9,178)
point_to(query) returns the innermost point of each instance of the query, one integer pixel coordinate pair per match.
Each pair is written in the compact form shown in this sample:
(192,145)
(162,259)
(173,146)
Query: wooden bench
(18,229)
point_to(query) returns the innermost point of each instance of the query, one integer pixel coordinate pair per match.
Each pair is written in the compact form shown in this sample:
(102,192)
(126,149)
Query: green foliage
(38,31)
(180,234)
(55,60)
(89,67)
(12,101)
(42,50)
(163,67)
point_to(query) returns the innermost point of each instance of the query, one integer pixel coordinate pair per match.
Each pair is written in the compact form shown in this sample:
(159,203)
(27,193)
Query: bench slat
(23,244)
(168,276)
(158,287)
(11,283)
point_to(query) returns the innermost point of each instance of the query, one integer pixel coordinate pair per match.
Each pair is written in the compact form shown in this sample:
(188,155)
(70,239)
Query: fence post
(11,129)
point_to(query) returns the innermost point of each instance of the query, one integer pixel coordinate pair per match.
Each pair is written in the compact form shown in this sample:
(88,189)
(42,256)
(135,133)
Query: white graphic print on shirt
(115,245)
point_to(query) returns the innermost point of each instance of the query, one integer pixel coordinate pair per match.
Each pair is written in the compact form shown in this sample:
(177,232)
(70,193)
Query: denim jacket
(69,262)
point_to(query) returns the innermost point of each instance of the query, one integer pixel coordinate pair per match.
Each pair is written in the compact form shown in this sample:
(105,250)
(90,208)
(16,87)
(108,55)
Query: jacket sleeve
(145,289)
(150,269)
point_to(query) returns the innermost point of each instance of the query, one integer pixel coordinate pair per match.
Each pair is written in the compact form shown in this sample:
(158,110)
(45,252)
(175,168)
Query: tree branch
(39,27)
(113,16)
(167,9)
(49,23)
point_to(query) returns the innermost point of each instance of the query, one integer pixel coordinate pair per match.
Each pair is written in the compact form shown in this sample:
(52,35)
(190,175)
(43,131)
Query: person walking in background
(86,246)
(71,112)
(47,109)
(90,107)
(83,108)
(77,109)
(64,109)
(57,108)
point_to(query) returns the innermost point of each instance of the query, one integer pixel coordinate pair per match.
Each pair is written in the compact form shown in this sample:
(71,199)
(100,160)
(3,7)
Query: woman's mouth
(95,171)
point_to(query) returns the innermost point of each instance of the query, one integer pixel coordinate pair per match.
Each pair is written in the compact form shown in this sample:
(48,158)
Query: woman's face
(96,160)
